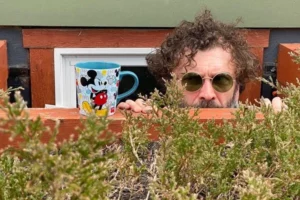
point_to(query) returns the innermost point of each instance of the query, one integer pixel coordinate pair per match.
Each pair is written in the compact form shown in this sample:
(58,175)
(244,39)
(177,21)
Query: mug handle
(132,89)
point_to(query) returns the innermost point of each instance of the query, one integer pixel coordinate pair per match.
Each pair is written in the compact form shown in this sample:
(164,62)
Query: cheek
(189,97)
(224,98)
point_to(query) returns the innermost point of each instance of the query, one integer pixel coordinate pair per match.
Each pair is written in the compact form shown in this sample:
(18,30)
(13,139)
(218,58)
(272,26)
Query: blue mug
(97,85)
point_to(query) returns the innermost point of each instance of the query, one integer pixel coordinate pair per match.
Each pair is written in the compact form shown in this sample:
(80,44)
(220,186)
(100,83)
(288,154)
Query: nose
(207,91)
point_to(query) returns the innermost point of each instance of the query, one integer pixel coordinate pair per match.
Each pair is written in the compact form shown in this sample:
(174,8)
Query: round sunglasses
(221,82)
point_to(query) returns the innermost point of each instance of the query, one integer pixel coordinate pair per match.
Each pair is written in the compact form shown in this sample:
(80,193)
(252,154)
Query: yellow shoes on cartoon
(102,112)
(88,109)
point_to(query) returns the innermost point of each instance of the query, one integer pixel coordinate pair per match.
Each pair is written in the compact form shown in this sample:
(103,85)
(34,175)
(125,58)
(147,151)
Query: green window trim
(146,13)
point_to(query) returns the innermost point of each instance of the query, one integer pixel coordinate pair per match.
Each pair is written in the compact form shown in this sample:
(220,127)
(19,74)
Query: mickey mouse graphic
(97,87)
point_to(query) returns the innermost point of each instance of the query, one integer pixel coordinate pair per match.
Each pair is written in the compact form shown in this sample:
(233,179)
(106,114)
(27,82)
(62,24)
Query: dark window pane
(147,82)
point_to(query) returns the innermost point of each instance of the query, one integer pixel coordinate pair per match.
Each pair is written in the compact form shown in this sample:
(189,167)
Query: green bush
(296,56)
(74,169)
(258,160)
(241,159)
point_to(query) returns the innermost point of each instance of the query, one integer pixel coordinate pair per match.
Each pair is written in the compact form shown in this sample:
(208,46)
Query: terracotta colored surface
(287,70)
(252,90)
(51,38)
(41,60)
(3,65)
(70,119)
(257,38)
(42,77)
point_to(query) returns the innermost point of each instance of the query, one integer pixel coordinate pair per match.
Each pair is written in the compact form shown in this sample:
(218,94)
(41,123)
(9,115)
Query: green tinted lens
(222,82)
(191,81)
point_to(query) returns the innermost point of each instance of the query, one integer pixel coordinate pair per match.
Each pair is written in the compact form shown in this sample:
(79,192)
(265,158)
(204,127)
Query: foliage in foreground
(241,159)
(257,160)
(74,169)
(296,56)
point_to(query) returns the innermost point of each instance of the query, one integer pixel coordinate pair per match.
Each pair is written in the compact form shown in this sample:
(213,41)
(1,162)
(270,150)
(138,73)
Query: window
(132,59)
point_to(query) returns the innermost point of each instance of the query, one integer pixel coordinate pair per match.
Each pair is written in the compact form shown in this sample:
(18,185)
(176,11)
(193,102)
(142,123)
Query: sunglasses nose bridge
(207,78)
(207,91)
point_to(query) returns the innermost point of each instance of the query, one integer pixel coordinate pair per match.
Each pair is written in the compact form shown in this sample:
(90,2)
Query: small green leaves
(240,159)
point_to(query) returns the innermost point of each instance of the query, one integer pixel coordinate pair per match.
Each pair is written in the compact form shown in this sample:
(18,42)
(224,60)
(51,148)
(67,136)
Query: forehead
(210,62)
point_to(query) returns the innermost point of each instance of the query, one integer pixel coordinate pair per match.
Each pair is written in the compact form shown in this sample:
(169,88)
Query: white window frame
(65,58)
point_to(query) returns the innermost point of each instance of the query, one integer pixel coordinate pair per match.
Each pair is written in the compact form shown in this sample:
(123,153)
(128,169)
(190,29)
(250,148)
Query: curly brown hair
(202,34)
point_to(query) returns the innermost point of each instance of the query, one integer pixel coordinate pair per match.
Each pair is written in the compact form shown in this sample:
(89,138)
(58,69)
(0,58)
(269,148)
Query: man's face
(208,64)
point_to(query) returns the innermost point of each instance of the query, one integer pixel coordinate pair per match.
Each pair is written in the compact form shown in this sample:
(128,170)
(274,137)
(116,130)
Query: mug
(97,86)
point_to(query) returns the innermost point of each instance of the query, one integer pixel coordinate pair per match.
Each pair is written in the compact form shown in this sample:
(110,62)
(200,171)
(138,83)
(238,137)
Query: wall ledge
(70,119)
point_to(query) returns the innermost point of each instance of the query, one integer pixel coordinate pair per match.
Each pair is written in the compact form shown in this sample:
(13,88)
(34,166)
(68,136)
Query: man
(211,60)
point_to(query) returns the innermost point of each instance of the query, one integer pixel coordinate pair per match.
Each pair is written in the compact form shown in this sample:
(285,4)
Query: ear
(92,73)
(84,81)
